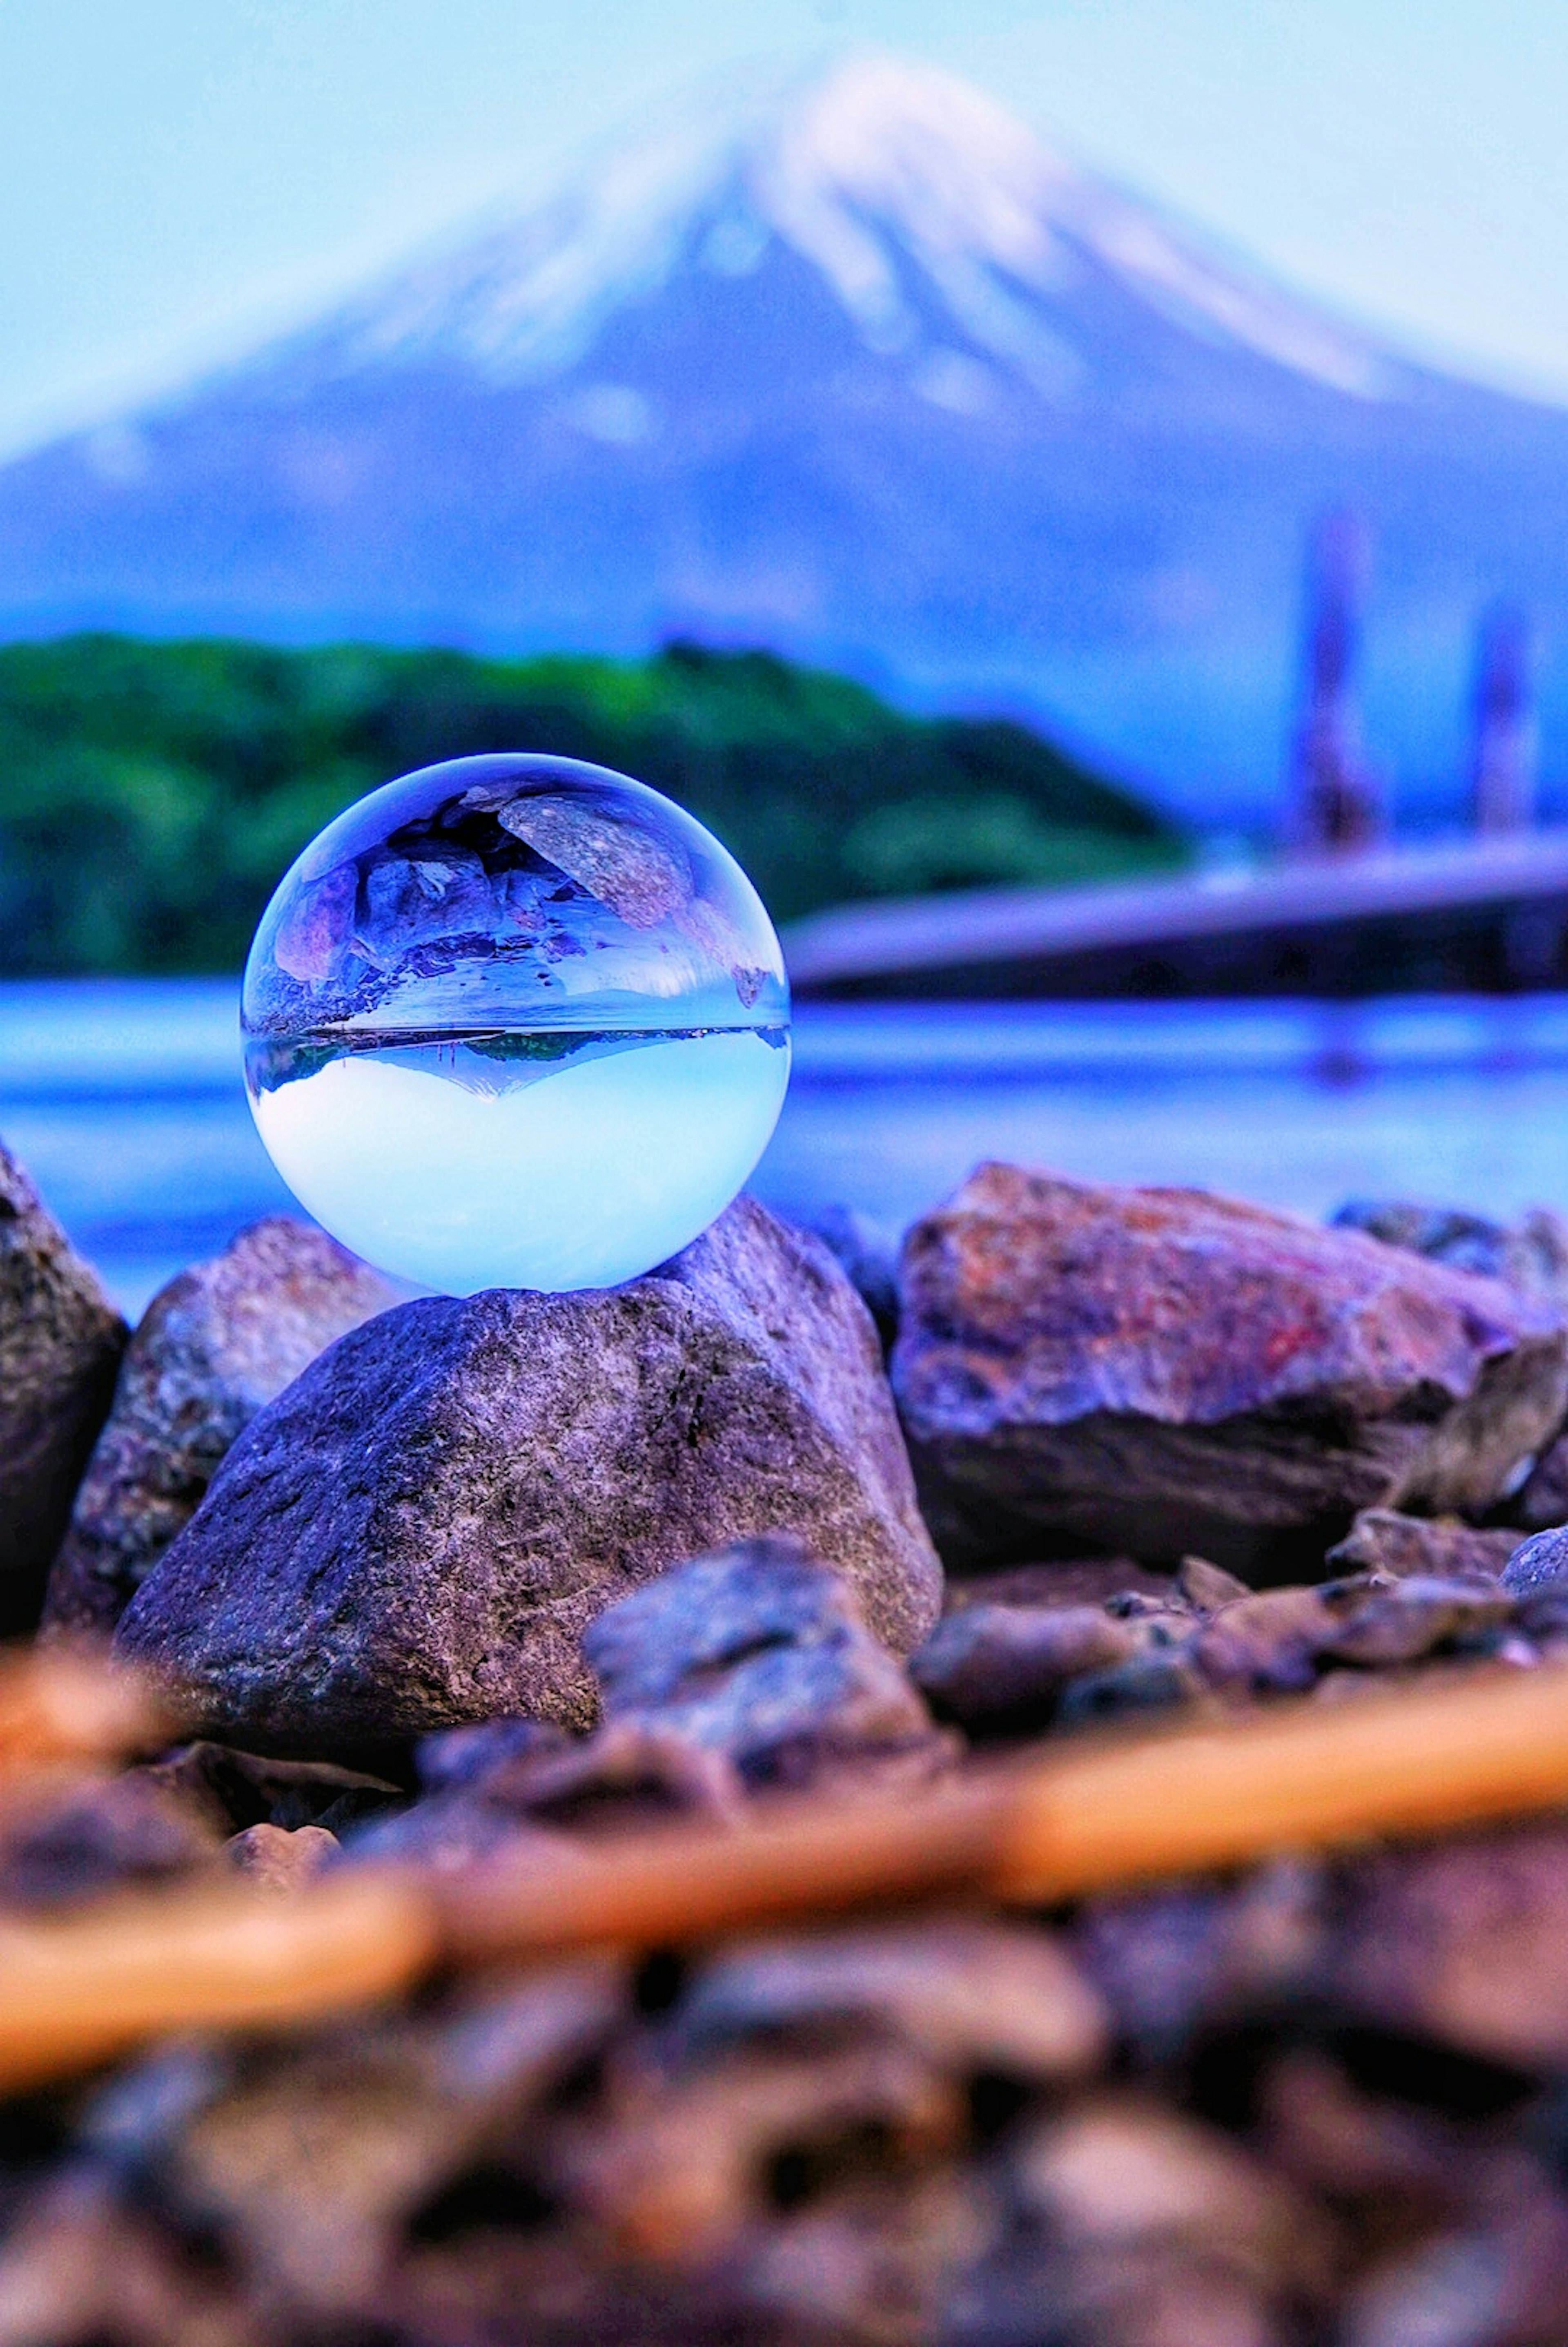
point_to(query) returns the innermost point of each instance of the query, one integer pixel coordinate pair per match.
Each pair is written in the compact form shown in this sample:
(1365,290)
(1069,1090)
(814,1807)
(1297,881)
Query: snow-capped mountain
(862,370)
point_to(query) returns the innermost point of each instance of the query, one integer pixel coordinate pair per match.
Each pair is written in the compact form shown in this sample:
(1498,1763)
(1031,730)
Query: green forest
(151,795)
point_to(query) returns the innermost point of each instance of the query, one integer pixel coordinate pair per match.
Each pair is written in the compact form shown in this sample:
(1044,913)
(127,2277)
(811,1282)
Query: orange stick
(66,1708)
(1069,1820)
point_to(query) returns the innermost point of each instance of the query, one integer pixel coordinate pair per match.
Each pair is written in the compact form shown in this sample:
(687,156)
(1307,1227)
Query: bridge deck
(995,935)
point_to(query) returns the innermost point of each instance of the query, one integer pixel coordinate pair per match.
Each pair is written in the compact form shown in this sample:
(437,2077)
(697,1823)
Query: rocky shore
(431,1583)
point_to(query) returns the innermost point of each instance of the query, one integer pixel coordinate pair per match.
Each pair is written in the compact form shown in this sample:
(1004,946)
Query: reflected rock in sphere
(514,1021)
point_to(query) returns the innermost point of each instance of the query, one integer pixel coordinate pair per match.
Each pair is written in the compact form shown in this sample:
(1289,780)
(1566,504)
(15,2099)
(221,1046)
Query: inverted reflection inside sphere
(515,1022)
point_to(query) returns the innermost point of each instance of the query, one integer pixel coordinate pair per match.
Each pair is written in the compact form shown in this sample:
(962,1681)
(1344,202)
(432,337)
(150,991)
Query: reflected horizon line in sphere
(515,1022)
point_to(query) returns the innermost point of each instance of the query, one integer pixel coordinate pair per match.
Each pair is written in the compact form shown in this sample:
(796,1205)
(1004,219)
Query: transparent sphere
(515,1022)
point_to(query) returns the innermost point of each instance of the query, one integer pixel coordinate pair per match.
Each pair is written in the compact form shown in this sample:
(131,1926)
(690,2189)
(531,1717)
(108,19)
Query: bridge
(1486,914)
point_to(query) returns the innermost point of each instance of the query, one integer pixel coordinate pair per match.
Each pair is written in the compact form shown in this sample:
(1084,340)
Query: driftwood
(65,1709)
(1064,1821)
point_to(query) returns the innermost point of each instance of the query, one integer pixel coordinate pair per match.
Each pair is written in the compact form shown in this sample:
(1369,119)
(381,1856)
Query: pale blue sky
(178,177)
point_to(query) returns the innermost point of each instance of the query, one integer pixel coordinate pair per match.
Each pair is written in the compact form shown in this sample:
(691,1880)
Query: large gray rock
(60,1342)
(1162,1370)
(213,1348)
(419,1531)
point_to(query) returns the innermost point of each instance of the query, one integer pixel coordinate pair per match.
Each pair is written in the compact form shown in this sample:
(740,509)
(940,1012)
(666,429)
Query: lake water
(124,1099)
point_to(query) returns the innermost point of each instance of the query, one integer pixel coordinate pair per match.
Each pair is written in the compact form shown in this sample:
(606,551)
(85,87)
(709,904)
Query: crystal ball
(515,1022)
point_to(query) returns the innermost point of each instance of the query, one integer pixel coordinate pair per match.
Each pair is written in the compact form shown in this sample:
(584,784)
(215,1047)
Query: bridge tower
(1337,810)
(1504,772)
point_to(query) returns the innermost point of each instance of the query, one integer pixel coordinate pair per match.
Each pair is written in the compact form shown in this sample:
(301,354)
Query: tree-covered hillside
(152,793)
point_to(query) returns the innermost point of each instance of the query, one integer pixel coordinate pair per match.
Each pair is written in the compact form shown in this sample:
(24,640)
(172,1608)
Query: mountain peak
(857,365)
(903,186)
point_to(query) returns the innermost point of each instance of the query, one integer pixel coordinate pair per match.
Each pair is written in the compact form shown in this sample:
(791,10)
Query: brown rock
(213,1348)
(1270,1643)
(1465,1942)
(274,1858)
(974,1997)
(1382,1541)
(628,1774)
(81,2262)
(1163,1370)
(683,2176)
(1124,2174)
(311,2161)
(417,1533)
(1420,1615)
(759,1653)
(1208,1588)
(1330,2135)
(993,1667)
(60,1342)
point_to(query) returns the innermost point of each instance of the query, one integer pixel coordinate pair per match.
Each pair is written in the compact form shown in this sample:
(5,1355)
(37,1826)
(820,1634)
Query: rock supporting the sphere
(419,1531)
(1165,1370)
(213,1348)
(60,1343)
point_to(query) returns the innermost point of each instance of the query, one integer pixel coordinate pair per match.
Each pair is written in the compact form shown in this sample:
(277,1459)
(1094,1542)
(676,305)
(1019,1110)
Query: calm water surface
(125,1100)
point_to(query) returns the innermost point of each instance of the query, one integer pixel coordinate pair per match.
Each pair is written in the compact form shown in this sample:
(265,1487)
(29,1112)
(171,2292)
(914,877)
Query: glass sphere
(514,1021)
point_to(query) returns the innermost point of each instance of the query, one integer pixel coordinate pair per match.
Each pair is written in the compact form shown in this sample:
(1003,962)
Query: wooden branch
(66,1708)
(1071,1818)
(74,1993)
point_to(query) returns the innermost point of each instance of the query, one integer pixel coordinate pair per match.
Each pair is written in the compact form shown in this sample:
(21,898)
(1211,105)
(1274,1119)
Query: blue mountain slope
(871,375)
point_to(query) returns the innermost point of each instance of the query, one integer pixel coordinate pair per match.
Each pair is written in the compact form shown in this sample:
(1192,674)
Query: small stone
(1270,1643)
(1207,1588)
(760,1653)
(99,1836)
(1418,1617)
(311,2159)
(1382,1541)
(1531,1255)
(1167,1371)
(456,1756)
(417,1533)
(276,1858)
(213,1348)
(1464,1941)
(60,1344)
(1150,1682)
(999,1667)
(1121,2173)
(631,1772)
(974,1996)
(1538,1564)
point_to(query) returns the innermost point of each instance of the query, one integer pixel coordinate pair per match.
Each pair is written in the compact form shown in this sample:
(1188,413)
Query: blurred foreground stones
(507,1578)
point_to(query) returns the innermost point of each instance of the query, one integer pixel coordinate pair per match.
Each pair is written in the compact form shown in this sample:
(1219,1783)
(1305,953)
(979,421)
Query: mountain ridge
(871,373)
